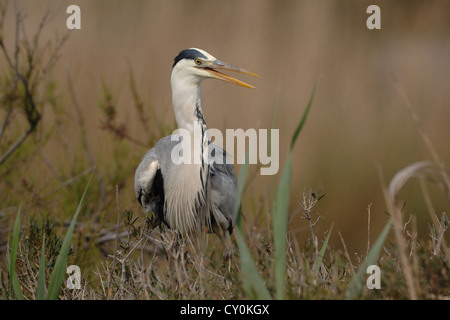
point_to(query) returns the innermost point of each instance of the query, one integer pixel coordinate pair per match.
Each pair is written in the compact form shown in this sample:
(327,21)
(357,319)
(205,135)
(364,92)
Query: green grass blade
(319,258)
(252,282)
(305,115)
(40,294)
(57,277)
(281,213)
(357,285)
(12,259)
(280,226)
(241,184)
(271,142)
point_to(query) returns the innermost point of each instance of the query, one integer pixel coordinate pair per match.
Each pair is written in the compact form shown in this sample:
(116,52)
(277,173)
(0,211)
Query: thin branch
(347,255)
(434,154)
(139,105)
(71,180)
(16,145)
(368,228)
(16,39)
(396,216)
(6,54)
(84,137)
(110,275)
(42,23)
(32,114)
(5,121)
(54,57)
(50,165)
(308,204)
(433,216)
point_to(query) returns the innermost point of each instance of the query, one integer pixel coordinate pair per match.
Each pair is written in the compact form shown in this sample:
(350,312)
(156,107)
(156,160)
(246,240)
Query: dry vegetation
(121,252)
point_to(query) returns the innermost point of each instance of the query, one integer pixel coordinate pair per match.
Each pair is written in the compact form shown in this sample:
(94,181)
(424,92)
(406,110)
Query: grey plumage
(149,184)
(190,198)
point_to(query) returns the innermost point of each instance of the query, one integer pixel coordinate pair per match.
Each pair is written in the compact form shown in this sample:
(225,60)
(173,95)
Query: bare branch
(308,203)
(25,72)
(5,121)
(368,228)
(84,137)
(16,145)
(426,139)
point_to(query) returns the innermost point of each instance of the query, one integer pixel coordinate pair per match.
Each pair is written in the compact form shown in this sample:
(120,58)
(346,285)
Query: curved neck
(186,102)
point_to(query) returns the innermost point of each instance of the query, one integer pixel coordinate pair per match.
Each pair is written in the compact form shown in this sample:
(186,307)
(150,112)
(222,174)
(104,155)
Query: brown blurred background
(357,122)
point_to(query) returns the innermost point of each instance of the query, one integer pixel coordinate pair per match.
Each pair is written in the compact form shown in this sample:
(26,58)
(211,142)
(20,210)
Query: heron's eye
(198,61)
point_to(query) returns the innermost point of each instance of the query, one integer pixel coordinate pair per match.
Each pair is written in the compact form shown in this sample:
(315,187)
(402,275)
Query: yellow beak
(217,64)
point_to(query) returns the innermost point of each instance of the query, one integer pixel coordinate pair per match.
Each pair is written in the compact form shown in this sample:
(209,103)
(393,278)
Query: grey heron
(197,196)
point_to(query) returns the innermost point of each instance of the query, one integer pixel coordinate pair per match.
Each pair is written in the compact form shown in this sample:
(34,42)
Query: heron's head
(196,65)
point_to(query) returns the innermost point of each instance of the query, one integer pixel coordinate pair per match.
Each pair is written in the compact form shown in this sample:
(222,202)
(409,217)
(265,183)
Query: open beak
(214,66)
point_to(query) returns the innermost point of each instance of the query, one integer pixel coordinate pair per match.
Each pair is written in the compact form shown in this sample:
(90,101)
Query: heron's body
(190,196)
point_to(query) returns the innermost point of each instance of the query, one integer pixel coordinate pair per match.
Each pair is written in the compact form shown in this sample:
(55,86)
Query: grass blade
(281,213)
(305,115)
(12,260)
(57,277)
(252,282)
(319,258)
(280,223)
(356,286)
(40,294)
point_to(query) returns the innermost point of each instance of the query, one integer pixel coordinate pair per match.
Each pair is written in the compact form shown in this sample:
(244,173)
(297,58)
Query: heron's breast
(186,190)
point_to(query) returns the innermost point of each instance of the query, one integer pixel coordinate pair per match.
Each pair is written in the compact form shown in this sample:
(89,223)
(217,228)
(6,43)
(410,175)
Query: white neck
(184,180)
(186,97)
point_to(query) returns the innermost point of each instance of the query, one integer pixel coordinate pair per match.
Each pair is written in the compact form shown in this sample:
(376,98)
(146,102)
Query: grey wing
(144,180)
(149,176)
(224,190)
